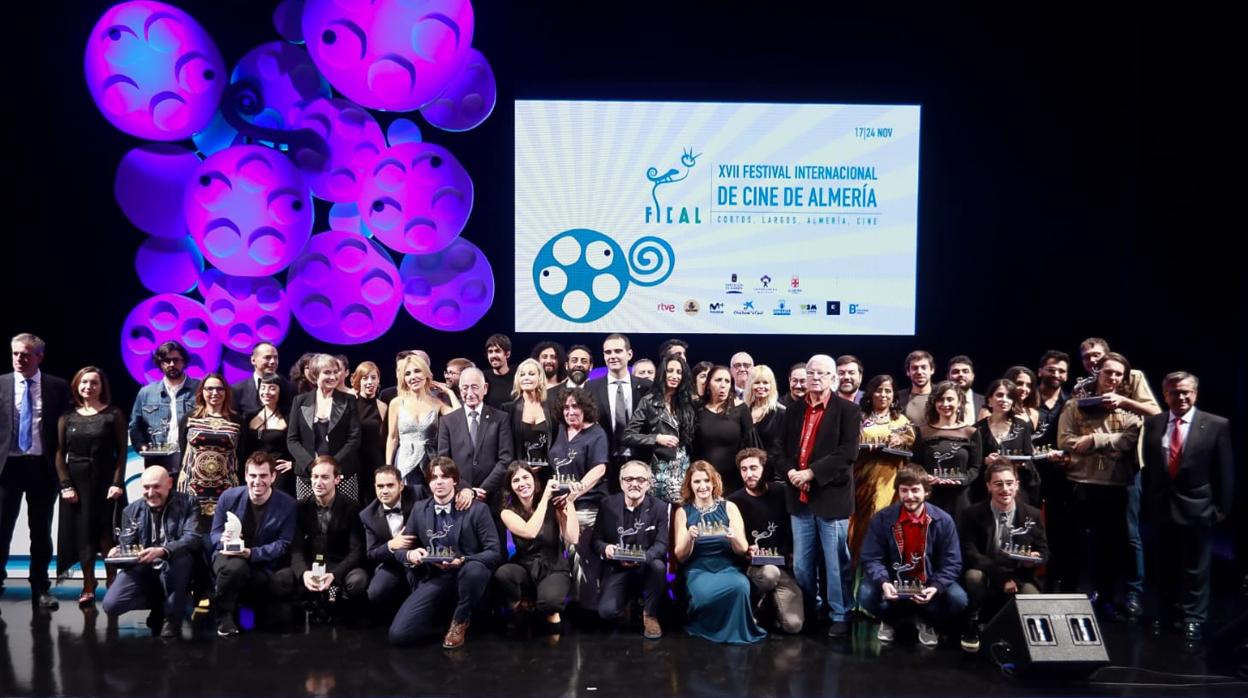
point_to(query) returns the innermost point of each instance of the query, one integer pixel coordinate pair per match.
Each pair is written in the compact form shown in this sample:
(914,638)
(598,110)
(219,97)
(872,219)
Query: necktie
(621,411)
(391,512)
(25,419)
(472,426)
(1003,530)
(1176,449)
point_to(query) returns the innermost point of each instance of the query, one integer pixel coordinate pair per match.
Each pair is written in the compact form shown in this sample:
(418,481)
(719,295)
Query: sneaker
(970,640)
(653,630)
(1134,608)
(928,637)
(226,627)
(45,599)
(886,633)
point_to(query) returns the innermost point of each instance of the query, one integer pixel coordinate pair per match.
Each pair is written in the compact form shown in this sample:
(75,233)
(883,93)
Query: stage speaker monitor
(1046,636)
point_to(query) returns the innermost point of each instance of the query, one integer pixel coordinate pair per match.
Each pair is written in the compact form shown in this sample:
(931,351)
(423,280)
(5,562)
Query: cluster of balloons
(228,191)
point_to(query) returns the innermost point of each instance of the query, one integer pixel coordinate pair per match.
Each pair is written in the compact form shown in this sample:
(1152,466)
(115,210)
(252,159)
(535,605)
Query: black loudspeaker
(1046,636)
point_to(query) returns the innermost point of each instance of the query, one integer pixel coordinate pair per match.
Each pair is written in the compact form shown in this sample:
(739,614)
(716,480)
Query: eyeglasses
(818,374)
(634,480)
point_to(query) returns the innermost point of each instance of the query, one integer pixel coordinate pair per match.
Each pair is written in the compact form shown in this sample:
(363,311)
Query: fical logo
(667,215)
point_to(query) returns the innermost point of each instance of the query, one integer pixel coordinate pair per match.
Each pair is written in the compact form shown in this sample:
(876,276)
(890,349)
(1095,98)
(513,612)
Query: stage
(69,653)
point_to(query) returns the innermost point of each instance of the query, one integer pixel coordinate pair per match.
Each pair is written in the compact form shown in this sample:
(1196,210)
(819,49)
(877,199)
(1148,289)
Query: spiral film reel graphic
(582,274)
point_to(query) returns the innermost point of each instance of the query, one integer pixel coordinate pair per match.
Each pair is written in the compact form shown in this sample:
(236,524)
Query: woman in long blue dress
(711,544)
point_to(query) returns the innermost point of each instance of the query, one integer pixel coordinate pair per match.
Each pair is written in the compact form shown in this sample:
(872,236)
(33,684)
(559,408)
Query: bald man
(163,524)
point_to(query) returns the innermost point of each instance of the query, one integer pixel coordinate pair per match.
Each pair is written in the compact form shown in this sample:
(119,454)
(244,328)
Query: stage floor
(70,653)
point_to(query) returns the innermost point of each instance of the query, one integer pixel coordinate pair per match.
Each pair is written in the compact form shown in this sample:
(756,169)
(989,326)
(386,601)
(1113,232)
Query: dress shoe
(455,635)
(46,600)
(653,630)
(170,630)
(838,629)
(1192,633)
(1134,609)
(226,627)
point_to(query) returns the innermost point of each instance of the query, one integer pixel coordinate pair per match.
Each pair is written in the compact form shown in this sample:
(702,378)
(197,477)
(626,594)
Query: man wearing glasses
(639,521)
(160,410)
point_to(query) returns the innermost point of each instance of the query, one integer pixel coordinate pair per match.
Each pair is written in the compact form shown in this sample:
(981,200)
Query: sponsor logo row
(781,308)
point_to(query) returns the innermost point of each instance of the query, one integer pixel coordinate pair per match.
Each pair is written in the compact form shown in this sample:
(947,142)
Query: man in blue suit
(461,582)
(268,527)
(165,525)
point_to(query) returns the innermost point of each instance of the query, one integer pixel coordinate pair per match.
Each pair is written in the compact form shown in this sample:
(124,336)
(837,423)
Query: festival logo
(582,274)
(668,215)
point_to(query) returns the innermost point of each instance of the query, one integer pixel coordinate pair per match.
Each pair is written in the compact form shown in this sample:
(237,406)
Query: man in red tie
(1189,484)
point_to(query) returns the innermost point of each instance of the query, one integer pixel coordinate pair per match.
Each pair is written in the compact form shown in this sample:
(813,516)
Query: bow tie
(388,512)
(439,509)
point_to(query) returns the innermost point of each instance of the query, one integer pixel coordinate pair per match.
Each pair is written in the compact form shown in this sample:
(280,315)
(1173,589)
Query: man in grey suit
(31,404)
(1188,486)
(478,438)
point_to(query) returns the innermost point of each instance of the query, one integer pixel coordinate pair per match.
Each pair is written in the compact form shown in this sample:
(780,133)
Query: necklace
(706,509)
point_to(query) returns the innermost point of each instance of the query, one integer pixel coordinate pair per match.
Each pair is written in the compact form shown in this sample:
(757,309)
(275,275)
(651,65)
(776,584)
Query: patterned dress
(210,461)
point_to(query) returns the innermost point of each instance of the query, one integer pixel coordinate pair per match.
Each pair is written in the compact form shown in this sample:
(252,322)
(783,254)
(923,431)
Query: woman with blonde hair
(767,414)
(533,425)
(413,419)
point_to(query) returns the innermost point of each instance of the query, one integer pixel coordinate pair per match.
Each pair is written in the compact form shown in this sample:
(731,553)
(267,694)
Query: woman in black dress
(699,371)
(1006,431)
(538,575)
(366,381)
(266,431)
(1025,393)
(532,424)
(949,446)
(91,463)
(324,422)
(767,414)
(723,428)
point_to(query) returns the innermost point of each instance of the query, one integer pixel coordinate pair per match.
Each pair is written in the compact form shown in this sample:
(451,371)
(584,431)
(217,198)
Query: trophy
(1091,402)
(128,546)
(157,441)
(766,556)
(563,481)
(956,473)
(1044,452)
(318,568)
(232,538)
(630,553)
(439,553)
(708,530)
(1022,552)
(908,586)
(538,447)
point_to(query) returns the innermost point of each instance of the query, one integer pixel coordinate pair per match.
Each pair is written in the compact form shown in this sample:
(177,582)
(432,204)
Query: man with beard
(633,518)
(913,400)
(916,542)
(383,521)
(577,367)
(766,519)
(962,374)
(328,530)
(849,378)
(679,347)
(797,386)
(499,378)
(1056,490)
(163,525)
(161,408)
(552,358)
(450,374)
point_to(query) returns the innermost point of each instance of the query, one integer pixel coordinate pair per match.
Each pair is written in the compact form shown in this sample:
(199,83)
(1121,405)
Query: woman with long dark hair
(210,450)
(663,421)
(723,427)
(538,575)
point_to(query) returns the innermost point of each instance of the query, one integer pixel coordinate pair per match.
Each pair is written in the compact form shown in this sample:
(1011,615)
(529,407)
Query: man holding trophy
(766,517)
(156,545)
(911,562)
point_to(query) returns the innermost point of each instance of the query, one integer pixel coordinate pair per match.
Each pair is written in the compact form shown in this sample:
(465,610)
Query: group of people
(321,490)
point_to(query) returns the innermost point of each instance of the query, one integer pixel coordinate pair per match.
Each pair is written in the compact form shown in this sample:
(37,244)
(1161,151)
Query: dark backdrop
(1080,174)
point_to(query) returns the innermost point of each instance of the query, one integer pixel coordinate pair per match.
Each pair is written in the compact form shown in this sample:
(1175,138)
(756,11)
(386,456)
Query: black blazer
(377,531)
(515,412)
(832,458)
(652,515)
(475,536)
(344,433)
(976,527)
(344,540)
(598,389)
(56,402)
(1205,486)
(484,463)
(247,399)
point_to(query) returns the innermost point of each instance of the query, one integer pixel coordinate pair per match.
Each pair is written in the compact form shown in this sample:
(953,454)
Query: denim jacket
(151,408)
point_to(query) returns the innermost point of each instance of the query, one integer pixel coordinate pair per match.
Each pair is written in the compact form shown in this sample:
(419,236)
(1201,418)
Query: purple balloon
(417,198)
(245,310)
(169,266)
(153,71)
(344,289)
(249,210)
(286,80)
(391,55)
(449,290)
(469,98)
(236,366)
(160,319)
(286,20)
(149,185)
(354,139)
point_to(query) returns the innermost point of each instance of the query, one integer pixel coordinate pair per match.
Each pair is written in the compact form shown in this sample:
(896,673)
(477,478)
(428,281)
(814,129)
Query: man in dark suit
(988,530)
(478,438)
(633,518)
(165,525)
(962,373)
(470,536)
(820,446)
(383,521)
(616,394)
(327,527)
(1189,486)
(267,519)
(246,392)
(31,404)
